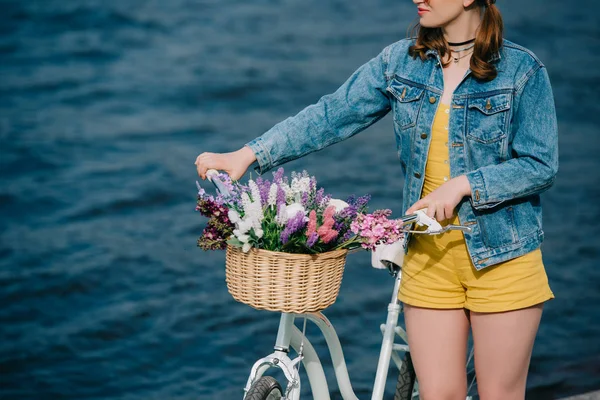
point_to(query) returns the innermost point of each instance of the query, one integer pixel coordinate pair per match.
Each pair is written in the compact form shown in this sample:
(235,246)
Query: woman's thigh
(438,345)
(503,343)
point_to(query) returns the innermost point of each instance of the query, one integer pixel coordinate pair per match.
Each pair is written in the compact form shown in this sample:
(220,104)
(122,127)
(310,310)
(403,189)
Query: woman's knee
(436,391)
(499,391)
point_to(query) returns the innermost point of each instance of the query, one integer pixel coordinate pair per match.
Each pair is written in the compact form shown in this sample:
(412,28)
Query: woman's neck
(464,27)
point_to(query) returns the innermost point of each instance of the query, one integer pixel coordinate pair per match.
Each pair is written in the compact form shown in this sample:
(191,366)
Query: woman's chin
(426,23)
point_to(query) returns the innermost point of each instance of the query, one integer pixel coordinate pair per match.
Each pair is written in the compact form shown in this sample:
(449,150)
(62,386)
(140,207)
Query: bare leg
(503,344)
(438,346)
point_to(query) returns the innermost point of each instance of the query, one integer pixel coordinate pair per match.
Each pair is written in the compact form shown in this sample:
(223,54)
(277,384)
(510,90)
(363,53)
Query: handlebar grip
(213,176)
(211,173)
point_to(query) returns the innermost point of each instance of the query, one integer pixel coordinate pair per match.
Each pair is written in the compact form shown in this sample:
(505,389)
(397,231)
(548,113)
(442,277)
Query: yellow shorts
(438,273)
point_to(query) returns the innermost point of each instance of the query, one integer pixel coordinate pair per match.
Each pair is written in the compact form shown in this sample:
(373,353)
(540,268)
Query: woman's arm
(357,104)
(534,147)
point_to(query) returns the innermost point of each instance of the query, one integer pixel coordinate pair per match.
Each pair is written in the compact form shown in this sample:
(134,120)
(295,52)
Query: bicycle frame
(289,335)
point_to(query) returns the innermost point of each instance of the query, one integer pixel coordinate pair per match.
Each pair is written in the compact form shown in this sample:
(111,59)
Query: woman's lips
(422,11)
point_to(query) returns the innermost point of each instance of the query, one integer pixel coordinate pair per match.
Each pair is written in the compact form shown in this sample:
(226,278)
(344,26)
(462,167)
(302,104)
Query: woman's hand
(442,201)
(235,163)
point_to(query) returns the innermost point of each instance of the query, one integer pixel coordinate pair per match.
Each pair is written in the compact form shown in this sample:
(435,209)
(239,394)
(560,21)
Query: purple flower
(324,201)
(313,184)
(263,187)
(278,176)
(359,202)
(319,196)
(349,212)
(339,225)
(347,236)
(304,200)
(312,239)
(294,224)
(362,201)
(280,196)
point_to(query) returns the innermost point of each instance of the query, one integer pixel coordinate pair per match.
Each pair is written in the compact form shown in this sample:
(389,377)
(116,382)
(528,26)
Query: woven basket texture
(284,282)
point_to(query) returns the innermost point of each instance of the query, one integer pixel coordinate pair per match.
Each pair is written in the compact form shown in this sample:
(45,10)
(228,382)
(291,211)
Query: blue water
(104,106)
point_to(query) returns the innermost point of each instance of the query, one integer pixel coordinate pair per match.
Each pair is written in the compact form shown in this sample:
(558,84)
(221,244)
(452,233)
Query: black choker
(461,43)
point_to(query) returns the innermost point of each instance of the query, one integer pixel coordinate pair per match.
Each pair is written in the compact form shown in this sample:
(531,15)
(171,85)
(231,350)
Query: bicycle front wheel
(406,380)
(265,388)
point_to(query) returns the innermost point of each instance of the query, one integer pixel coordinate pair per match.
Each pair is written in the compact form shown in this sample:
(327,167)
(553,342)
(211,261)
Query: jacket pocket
(407,103)
(487,128)
(488,118)
(497,227)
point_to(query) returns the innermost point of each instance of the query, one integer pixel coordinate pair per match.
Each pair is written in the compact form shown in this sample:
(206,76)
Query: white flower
(233,216)
(293,209)
(272,194)
(246,203)
(256,215)
(253,214)
(255,192)
(281,218)
(243,238)
(259,232)
(246,247)
(244,225)
(338,204)
(301,185)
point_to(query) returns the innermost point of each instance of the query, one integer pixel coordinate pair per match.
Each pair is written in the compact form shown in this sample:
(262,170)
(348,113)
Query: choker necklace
(461,43)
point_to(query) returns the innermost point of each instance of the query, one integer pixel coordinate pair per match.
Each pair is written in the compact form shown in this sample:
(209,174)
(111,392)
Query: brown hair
(487,42)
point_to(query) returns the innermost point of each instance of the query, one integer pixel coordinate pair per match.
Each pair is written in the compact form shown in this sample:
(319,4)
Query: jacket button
(423,136)
(417,175)
(432,99)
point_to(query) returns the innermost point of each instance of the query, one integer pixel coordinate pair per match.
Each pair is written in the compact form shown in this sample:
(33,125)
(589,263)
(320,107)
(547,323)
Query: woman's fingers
(434,210)
(417,206)
(449,210)
(204,162)
(441,212)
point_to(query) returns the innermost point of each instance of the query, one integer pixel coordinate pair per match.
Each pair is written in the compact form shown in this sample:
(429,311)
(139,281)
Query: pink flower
(329,235)
(312,223)
(328,215)
(325,231)
(376,229)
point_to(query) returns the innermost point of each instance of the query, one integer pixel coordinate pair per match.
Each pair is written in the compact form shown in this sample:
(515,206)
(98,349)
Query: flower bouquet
(287,240)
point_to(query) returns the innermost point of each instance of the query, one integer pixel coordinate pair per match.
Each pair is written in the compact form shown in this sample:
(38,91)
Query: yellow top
(437,169)
(438,271)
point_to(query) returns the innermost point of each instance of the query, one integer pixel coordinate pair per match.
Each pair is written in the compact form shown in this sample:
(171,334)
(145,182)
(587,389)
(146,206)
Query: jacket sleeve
(358,103)
(534,165)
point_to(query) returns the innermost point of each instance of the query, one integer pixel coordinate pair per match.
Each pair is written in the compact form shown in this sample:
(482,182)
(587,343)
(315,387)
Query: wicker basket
(284,282)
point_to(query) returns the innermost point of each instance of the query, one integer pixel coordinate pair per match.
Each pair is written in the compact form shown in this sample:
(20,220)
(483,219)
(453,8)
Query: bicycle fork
(279,359)
(289,335)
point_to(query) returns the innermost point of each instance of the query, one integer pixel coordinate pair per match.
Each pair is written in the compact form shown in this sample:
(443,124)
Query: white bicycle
(262,386)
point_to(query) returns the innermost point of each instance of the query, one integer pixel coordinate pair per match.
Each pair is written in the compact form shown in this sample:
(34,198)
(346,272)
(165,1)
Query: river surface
(104,106)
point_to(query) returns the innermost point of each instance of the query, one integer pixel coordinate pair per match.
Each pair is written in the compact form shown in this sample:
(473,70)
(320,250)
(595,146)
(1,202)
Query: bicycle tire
(265,388)
(406,379)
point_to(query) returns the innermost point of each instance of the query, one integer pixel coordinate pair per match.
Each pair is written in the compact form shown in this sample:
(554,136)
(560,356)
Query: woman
(476,132)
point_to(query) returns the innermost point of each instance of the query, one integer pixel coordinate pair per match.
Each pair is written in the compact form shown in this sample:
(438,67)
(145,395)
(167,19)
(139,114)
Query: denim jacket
(502,136)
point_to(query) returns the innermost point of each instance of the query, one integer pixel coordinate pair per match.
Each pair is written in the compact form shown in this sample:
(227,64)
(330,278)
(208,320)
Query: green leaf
(234,242)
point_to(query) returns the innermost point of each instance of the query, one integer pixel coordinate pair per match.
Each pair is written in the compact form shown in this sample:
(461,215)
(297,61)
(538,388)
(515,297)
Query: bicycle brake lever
(423,219)
(457,228)
(434,227)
